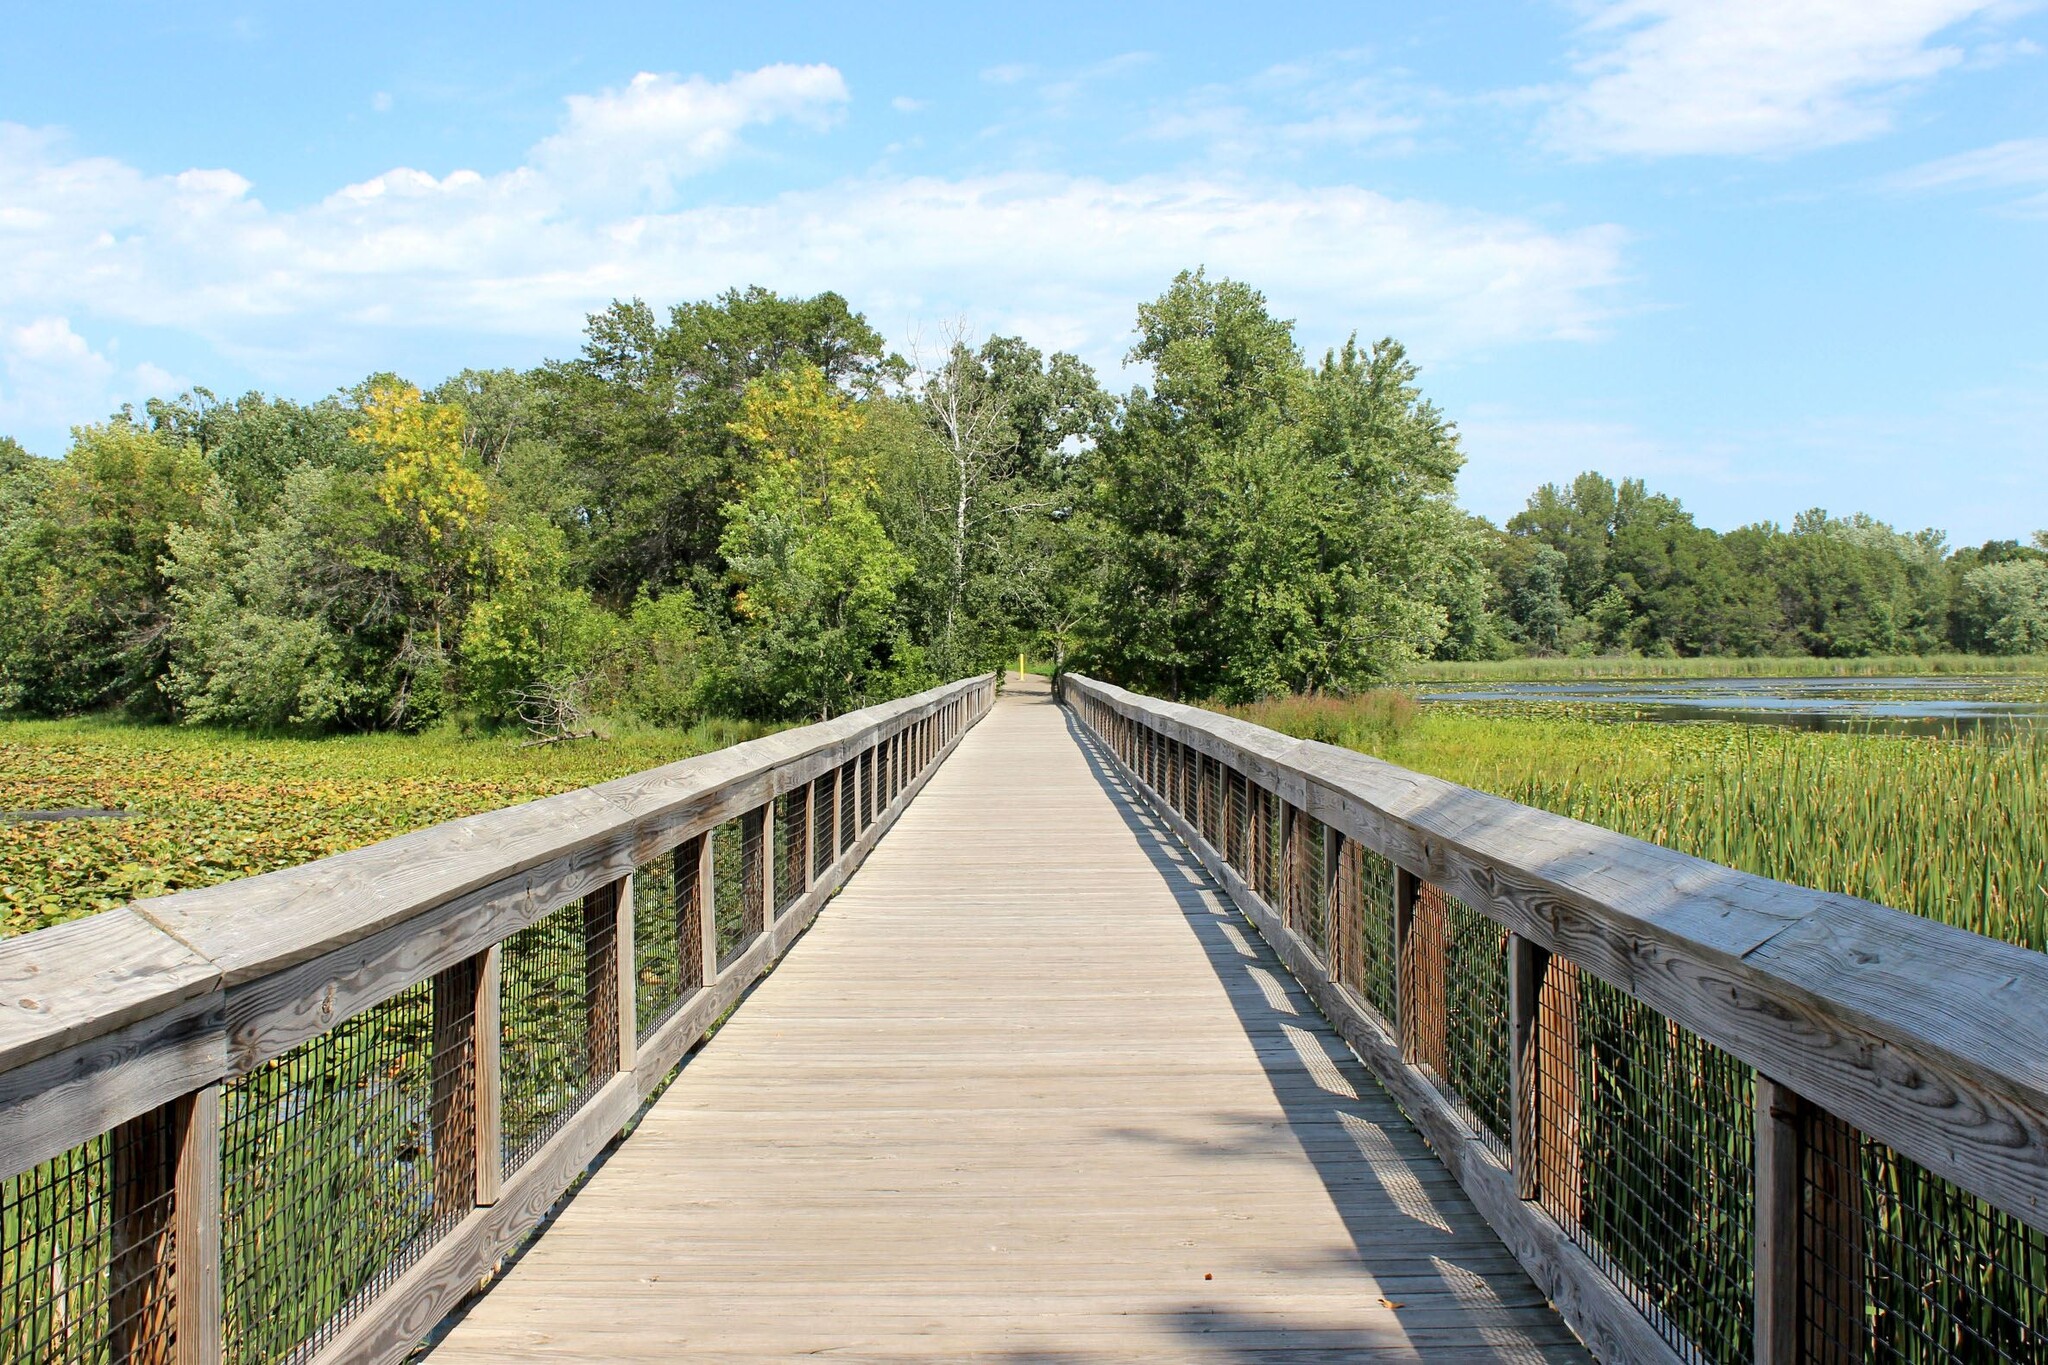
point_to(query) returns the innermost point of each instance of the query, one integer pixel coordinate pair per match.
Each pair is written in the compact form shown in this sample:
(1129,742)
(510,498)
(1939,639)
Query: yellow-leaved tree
(815,574)
(800,427)
(428,480)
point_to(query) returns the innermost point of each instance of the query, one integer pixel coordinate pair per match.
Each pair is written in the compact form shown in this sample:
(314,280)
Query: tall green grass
(1953,829)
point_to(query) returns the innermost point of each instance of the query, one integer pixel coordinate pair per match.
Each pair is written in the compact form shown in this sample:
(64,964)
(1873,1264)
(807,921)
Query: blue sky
(1767,254)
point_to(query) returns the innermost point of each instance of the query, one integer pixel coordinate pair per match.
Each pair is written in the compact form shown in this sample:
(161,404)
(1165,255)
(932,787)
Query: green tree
(528,626)
(647,412)
(814,576)
(2007,606)
(1269,527)
(84,619)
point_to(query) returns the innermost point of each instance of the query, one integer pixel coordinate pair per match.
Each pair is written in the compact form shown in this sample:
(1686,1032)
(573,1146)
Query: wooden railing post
(1809,1232)
(490,1075)
(459,1010)
(197,1222)
(164,1301)
(608,976)
(1407,886)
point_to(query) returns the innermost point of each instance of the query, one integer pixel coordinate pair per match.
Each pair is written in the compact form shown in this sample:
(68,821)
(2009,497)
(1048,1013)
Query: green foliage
(84,617)
(746,504)
(646,414)
(662,665)
(2005,606)
(814,575)
(1267,526)
(529,625)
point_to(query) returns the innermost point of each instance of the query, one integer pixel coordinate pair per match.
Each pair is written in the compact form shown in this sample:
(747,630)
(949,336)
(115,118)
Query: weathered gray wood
(74,982)
(942,1126)
(197,1226)
(1777,1224)
(661,1053)
(1931,1039)
(61,1099)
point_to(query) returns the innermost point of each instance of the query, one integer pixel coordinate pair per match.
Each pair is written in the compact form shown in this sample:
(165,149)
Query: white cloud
(658,130)
(381,101)
(2019,164)
(51,377)
(905,104)
(1669,77)
(326,289)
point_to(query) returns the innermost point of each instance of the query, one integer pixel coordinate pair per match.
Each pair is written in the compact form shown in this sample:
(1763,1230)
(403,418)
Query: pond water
(1919,706)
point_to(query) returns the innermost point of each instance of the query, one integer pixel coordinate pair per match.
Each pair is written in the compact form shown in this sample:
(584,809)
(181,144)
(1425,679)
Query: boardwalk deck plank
(1023,1088)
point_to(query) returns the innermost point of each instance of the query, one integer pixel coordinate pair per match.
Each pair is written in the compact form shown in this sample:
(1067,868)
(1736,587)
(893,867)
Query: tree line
(1599,567)
(750,506)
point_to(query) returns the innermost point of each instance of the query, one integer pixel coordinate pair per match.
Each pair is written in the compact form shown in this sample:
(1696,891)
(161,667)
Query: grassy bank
(1800,666)
(1954,830)
(209,806)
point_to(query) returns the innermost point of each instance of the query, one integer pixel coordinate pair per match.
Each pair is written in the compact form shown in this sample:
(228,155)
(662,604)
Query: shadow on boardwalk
(1360,1144)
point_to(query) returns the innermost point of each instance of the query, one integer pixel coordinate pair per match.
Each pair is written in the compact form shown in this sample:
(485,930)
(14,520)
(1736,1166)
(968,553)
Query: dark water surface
(1916,706)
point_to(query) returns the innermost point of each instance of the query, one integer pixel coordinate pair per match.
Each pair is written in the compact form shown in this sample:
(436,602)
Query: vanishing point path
(1028,1090)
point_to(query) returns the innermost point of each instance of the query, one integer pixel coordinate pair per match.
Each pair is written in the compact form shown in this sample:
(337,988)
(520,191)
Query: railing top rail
(72,983)
(1927,1037)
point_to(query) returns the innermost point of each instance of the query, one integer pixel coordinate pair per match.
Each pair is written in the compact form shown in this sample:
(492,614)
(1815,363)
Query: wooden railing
(300,1116)
(1715,1116)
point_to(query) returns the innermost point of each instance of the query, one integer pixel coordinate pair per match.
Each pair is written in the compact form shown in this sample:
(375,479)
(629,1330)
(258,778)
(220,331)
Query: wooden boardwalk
(1026,1091)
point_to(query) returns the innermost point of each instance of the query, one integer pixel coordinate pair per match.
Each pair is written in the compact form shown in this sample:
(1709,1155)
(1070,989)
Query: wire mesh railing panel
(328,1176)
(86,1243)
(1307,887)
(658,987)
(1455,1008)
(848,805)
(824,820)
(1233,848)
(789,849)
(545,1040)
(1642,1137)
(865,777)
(1372,879)
(1273,851)
(1902,1265)
(729,850)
